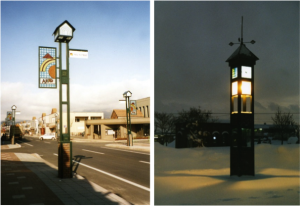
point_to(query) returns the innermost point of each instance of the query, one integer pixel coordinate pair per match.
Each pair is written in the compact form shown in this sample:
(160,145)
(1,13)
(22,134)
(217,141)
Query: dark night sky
(191,47)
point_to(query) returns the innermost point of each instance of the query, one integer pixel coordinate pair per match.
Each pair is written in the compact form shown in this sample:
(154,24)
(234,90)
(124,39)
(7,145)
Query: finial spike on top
(242,32)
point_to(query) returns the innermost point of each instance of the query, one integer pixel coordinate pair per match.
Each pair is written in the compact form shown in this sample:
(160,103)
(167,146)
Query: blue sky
(116,35)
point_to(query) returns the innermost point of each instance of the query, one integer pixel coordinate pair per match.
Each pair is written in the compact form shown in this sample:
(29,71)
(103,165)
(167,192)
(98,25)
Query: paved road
(125,173)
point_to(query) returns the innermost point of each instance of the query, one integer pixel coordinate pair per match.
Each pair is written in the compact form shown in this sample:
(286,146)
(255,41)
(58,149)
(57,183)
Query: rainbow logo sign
(47,67)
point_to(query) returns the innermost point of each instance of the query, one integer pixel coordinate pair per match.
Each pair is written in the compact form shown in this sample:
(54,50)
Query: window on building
(80,118)
(147,111)
(93,118)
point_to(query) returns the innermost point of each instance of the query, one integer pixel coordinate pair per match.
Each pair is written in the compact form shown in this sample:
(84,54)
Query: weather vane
(241,39)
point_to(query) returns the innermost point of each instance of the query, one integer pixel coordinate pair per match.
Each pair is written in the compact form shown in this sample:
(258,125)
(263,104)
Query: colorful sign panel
(76,53)
(133,107)
(47,67)
(9,116)
(234,73)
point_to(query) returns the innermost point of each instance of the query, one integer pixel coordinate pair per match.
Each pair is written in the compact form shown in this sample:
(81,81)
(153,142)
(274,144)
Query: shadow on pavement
(31,181)
(76,161)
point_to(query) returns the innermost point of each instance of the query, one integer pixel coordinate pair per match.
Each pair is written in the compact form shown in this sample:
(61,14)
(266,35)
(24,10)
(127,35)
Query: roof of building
(242,52)
(62,24)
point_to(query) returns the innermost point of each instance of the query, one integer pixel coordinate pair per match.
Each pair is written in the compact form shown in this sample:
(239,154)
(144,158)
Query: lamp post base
(65,159)
(13,140)
(130,140)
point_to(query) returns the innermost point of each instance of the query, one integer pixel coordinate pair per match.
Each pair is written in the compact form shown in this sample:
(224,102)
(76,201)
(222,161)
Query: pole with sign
(48,79)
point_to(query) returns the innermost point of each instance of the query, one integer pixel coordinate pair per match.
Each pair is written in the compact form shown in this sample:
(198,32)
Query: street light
(127,95)
(64,34)
(241,64)
(13,108)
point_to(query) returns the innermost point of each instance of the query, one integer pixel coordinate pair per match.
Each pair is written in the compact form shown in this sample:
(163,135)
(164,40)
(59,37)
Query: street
(123,172)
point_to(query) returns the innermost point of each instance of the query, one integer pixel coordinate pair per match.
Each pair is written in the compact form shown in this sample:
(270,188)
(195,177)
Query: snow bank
(292,140)
(201,176)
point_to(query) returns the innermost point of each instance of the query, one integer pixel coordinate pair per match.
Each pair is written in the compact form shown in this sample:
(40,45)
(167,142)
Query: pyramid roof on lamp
(242,52)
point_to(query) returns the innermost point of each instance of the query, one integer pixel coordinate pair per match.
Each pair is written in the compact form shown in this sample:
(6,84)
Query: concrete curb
(10,146)
(132,148)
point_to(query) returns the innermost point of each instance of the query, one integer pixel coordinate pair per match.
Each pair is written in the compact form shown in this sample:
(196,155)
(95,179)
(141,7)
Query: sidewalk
(28,179)
(142,145)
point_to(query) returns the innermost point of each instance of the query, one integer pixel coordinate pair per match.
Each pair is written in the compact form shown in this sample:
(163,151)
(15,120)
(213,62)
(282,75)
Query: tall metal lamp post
(64,34)
(127,95)
(241,64)
(13,108)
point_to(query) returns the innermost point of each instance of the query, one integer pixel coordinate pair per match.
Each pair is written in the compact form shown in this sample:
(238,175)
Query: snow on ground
(201,176)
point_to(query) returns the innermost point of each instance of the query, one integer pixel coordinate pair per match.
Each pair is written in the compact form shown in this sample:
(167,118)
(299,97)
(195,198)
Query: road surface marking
(92,151)
(145,162)
(55,154)
(29,144)
(114,176)
(126,151)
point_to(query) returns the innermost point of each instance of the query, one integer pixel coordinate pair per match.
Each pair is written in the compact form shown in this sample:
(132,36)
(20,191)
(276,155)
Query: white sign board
(84,54)
(110,132)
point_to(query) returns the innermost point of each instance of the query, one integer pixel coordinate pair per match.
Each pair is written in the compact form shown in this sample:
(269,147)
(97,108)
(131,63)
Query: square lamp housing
(64,32)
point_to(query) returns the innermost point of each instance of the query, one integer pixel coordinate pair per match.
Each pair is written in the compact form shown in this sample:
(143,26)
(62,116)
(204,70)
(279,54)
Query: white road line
(145,162)
(92,151)
(114,176)
(29,144)
(126,151)
(55,154)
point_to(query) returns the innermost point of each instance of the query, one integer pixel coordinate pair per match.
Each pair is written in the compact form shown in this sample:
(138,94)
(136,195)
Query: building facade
(143,105)
(116,126)
(50,123)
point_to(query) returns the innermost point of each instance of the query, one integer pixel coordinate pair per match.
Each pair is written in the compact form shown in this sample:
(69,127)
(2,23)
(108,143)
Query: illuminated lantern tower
(241,64)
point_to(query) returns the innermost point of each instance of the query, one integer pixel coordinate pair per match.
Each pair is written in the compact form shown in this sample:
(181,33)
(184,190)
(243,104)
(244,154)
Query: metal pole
(68,92)
(60,94)
(131,138)
(60,157)
(126,99)
(13,128)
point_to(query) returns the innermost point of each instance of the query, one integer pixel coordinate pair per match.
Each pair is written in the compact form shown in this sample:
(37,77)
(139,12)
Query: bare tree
(164,122)
(191,123)
(283,124)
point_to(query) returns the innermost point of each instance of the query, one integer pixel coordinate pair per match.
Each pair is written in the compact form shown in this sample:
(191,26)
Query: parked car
(47,136)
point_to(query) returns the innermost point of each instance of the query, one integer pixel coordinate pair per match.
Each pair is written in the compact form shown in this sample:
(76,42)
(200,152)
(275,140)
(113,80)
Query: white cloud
(32,101)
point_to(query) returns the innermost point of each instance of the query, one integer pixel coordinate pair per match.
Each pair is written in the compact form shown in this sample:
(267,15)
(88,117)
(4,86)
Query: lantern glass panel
(234,88)
(65,30)
(246,72)
(246,87)
(234,72)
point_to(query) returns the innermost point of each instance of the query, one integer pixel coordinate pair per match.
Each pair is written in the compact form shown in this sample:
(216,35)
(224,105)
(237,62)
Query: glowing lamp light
(246,87)
(234,88)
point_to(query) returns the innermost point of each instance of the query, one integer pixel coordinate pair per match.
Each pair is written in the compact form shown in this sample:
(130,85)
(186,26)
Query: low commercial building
(49,123)
(116,126)
(144,106)
(34,126)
